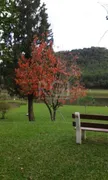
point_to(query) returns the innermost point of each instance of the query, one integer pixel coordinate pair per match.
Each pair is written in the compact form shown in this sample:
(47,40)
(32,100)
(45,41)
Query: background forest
(94,65)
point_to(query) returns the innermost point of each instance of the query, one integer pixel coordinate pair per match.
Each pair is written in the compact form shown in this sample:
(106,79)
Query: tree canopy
(20,21)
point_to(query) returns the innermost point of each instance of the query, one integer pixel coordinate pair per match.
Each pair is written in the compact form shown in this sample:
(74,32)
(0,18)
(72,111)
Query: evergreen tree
(20,20)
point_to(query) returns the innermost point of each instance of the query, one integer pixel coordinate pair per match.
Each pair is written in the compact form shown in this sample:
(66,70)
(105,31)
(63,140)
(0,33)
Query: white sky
(77,23)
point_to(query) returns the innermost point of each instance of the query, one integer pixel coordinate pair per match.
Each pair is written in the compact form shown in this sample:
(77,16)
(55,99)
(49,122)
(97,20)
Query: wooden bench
(82,127)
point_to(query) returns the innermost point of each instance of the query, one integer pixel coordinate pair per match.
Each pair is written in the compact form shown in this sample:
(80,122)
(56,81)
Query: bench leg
(83,135)
(78,129)
(78,136)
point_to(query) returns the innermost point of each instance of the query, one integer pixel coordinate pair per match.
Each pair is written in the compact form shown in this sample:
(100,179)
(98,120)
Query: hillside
(94,65)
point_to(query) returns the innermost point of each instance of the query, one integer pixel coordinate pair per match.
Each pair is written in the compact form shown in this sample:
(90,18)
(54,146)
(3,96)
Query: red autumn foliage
(40,68)
(46,76)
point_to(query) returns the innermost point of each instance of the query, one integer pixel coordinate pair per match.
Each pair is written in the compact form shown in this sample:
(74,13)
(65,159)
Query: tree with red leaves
(46,77)
(62,89)
(31,72)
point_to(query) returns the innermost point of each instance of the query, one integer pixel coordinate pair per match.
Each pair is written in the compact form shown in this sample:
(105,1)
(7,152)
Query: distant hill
(94,65)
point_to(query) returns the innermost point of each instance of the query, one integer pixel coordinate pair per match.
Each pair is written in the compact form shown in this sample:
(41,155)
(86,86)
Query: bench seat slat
(94,129)
(92,116)
(92,125)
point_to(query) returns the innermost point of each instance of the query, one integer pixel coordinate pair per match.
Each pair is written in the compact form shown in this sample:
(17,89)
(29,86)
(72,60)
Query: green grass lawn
(100,93)
(45,150)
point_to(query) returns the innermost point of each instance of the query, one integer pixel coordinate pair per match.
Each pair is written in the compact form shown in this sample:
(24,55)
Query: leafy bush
(4,95)
(4,107)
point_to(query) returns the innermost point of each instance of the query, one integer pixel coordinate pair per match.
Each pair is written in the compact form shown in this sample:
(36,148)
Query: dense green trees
(94,65)
(20,20)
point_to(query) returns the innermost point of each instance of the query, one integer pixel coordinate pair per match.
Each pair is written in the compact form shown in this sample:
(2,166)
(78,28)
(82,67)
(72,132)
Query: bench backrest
(91,117)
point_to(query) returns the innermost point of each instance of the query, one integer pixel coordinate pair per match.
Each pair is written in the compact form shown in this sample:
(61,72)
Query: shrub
(4,95)
(4,107)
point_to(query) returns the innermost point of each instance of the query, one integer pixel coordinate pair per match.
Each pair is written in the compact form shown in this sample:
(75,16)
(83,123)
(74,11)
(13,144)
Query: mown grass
(45,150)
(99,93)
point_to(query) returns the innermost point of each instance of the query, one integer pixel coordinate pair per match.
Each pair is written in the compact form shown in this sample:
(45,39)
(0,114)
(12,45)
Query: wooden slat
(92,125)
(94,129)
(92,116)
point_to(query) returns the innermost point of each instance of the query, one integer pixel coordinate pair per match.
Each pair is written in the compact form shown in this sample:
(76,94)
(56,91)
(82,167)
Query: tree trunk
(3,114)
(30,107)
(51,111)
(49,108)
(54,115)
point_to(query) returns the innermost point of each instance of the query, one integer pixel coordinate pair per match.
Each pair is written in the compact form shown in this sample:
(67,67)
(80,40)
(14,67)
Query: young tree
(61,89)
(46,77)
(86,101)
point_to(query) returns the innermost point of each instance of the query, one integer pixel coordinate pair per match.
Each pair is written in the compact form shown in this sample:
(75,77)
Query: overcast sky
(77,23)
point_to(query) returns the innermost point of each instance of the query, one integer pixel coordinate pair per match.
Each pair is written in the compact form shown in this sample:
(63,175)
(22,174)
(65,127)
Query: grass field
(100,93)
(45,150)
